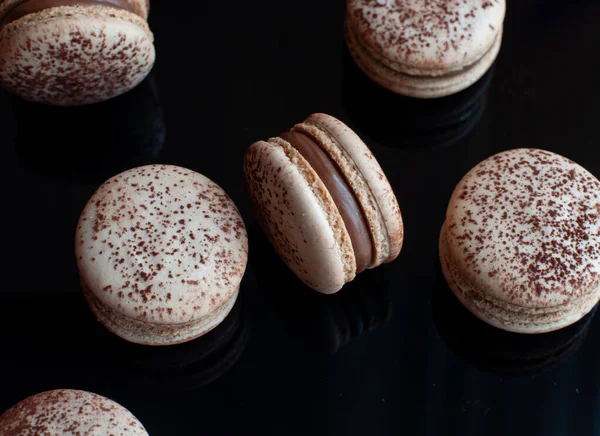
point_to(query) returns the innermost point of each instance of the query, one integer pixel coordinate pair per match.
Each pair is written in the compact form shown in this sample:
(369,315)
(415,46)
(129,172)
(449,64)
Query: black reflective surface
(393,353)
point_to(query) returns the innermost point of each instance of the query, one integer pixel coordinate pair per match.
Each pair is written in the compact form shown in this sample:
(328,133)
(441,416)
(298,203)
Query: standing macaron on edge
(321,197)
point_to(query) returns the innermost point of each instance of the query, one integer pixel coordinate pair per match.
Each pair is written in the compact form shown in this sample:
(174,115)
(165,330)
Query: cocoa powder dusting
(528,219)
(165,239)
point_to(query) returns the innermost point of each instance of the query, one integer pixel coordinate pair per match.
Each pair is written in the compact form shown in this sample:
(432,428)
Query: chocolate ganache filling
(33,6)
(334,181)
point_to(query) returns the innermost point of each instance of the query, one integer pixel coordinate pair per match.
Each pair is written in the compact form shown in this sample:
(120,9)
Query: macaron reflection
(497,351)
(404,122)
(196,363)
(91,143)
(321,323)
(72,344)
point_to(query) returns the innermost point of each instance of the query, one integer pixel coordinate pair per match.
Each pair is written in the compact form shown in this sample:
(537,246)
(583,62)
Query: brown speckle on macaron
(69,412)
(72,55)
(424,48)
(523,229)
(148,253)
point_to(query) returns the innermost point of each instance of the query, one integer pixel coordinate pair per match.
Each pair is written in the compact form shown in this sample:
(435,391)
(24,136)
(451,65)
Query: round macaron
(74,52)
(424,49)
(161,252)
(324,202)
(520,247)
(70,412)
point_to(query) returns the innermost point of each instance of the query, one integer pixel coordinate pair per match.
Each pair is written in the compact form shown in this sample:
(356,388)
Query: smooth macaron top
(524,227)
(161,244)
(426,37)
(69,412)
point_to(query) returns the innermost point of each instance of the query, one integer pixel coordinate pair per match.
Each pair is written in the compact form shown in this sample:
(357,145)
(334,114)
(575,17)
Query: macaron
(424,49)
(74,52)
(324,202)
(520,247)
(161,252)
(69,412)
(193,364)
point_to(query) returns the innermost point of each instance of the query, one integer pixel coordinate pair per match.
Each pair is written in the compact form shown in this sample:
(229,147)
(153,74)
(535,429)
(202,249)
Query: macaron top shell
(69,412)
(73,55)
(524,227)
(161,244)
(426,37)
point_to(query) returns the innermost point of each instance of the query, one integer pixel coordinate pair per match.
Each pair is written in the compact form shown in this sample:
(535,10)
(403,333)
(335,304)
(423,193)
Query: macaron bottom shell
(145,333)
(420,86)
(506,316)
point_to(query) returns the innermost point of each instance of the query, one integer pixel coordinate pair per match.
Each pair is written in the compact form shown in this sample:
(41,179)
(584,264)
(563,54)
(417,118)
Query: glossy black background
(393,353)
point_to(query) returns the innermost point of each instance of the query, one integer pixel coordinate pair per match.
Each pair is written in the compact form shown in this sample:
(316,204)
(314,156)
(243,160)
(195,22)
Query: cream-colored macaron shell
(161,252)
(69,412)
(75,55)
(299,214)
(521,243)
(424,49)
(367,180)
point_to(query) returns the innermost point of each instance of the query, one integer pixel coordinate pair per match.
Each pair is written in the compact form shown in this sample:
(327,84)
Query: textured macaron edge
(359,188)
(75,12)
(141,7)
(420,86)
(326,203)
(430,69)
(277,159)
(507,316)
(146,333)
(366,179)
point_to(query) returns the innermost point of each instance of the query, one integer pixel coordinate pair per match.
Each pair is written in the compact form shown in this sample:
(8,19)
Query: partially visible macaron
(74,52)
(69,412)
(520,247)
(161,252)
(324,202)
(424,49)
